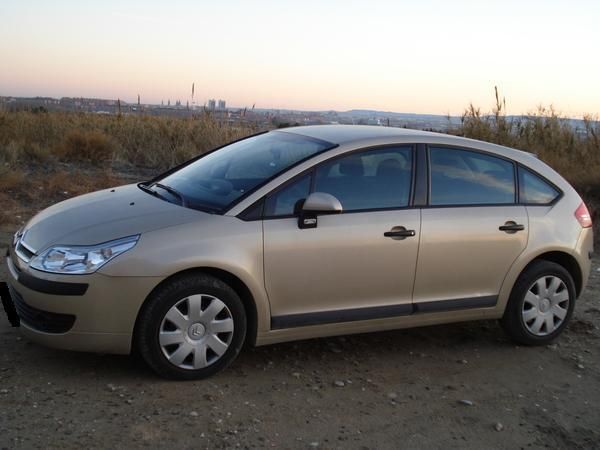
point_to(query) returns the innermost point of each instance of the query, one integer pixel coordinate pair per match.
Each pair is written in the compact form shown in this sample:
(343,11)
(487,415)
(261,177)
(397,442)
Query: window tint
(533,189)
(372,179)
(284,202)
(462,177)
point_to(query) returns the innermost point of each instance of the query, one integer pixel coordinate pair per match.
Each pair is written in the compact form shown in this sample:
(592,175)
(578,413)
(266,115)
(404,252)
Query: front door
(345,269)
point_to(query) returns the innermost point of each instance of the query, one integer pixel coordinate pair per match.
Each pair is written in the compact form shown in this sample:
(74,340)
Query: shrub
(92,147)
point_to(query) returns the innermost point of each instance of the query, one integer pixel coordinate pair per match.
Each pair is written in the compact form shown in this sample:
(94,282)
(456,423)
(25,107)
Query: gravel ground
(453,386)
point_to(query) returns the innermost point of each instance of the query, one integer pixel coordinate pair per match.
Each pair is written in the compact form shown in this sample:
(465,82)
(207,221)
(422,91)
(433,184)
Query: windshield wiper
(175,193)
(151,191)
(145,188)
(171,191)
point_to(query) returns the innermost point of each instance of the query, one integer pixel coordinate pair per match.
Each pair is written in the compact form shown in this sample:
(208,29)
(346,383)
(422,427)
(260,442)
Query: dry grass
(42,155)
(91,147)
(11,180)
(24,193)
(137,140)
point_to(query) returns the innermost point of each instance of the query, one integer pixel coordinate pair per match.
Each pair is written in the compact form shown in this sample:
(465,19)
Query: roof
(342,134)
(347,134)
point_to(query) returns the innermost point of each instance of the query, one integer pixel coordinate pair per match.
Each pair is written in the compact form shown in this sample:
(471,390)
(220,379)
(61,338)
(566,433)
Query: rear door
(472,230)
(345,269)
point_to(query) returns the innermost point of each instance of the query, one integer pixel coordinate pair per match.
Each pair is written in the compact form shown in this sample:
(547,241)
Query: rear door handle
(399,232)
(511,227)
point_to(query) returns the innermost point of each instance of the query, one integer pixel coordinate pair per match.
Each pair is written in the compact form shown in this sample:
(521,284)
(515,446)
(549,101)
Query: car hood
(103,216)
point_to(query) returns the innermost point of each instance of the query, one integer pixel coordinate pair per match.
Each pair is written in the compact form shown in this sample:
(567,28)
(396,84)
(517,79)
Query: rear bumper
(95,313)
(583,253)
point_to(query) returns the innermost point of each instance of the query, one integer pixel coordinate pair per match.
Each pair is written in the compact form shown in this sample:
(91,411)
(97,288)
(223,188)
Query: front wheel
(191,327)
(540,305)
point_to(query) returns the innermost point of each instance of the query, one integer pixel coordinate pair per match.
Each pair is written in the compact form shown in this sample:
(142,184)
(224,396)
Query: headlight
(77,260)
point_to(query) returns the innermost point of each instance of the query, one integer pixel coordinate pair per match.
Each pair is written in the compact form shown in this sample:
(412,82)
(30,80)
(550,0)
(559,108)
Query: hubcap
(545,305)
(196,332)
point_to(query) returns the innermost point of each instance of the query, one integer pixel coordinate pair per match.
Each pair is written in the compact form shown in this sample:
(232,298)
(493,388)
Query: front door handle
(399,233)
(511,227)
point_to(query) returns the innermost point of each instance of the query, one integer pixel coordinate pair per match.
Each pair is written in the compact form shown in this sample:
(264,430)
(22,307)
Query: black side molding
(344,315)
(456,304)
(379,312)
(51,287)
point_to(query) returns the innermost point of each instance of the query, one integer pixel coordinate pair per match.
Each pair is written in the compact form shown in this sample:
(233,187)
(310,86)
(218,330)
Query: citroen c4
(302,233)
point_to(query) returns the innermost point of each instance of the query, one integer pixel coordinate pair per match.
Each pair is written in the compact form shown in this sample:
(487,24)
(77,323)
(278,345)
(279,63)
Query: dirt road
(456,386)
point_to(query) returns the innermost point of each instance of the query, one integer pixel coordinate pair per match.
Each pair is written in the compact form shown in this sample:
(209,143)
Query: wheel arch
(230,279)
(565,260)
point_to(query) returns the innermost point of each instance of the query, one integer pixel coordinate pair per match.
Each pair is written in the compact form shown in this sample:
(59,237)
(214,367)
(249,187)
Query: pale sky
(425,56)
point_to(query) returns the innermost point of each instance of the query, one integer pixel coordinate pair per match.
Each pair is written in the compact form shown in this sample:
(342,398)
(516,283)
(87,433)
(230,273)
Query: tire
(195,312)
(528,324)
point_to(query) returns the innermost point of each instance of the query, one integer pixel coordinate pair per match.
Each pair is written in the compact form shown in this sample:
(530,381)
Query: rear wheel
(540,305)
(191,327)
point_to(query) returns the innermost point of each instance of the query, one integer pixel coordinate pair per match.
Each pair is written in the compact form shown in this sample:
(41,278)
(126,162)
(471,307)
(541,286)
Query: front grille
(24,252)
(47,322)
(13,261)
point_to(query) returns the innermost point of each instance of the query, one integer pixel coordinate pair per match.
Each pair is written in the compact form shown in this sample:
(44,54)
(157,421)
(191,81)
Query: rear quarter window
(534,190)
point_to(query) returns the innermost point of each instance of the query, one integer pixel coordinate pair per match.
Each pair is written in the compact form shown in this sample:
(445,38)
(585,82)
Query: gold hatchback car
(301,233)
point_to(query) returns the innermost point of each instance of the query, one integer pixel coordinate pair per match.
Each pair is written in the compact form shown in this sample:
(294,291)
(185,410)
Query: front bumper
(44,321)
(95,313)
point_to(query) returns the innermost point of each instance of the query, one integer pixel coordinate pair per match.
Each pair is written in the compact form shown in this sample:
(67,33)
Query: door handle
(399,232)
(511,227)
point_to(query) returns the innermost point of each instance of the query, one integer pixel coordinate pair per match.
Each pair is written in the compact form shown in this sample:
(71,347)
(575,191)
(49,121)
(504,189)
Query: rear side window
(463,177)
(372,179)
(534,190)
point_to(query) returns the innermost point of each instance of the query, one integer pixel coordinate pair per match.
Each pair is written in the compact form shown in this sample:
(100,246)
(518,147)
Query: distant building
(212,104)
(221,104)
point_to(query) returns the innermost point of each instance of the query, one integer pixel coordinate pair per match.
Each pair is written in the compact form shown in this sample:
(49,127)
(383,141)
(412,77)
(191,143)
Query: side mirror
(318,203)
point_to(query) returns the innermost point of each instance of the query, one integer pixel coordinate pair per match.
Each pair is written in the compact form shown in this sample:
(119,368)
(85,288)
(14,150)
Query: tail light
(583,216)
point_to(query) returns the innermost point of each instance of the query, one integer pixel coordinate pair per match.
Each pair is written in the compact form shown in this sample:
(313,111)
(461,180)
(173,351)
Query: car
(302,233)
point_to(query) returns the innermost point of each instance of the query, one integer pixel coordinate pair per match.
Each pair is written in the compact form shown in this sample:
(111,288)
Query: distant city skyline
(423,57)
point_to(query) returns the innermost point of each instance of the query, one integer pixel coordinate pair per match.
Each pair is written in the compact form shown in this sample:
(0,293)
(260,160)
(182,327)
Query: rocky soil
(454,386)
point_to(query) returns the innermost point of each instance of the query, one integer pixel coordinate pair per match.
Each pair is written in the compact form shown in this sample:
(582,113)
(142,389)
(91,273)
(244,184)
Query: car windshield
(216,181)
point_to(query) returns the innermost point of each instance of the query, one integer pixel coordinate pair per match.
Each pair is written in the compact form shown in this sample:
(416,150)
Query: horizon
(336,56)
(594,118)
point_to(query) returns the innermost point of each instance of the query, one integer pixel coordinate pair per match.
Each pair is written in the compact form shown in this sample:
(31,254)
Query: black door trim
(456,304)
(421,191)
(337,316)
(379,312)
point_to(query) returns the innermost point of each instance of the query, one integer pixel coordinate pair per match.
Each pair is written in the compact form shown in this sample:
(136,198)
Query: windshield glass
(221,178)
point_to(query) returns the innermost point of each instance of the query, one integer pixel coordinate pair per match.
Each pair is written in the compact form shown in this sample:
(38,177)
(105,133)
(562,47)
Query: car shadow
(341,352)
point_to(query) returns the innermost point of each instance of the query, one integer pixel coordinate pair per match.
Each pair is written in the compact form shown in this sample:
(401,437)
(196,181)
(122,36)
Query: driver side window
(286,201)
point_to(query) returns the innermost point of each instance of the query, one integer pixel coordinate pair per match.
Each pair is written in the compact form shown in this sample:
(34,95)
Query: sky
(425,56)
